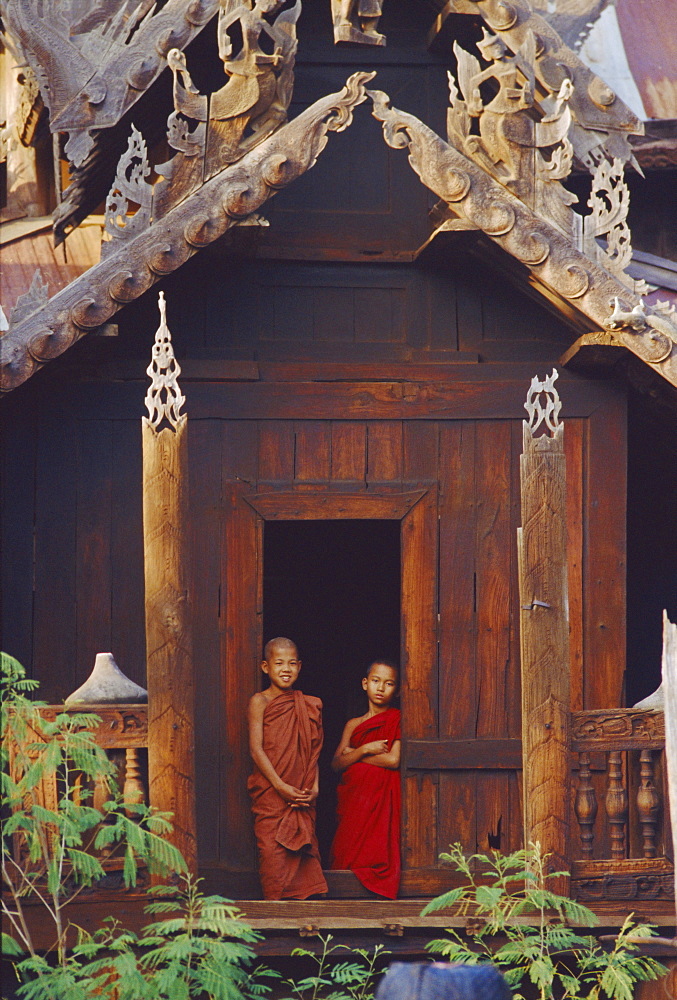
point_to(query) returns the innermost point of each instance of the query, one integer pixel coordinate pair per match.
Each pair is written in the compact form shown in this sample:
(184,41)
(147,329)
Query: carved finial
(163,399)
(546,412)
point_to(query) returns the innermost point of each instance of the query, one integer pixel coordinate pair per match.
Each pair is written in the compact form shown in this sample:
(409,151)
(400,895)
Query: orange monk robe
(367,840)
(289,858)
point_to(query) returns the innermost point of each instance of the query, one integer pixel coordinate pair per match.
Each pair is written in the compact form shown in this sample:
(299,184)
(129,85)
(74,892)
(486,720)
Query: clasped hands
(297,798)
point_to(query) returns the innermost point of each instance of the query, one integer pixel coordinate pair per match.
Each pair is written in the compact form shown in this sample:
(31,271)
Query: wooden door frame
(416,510)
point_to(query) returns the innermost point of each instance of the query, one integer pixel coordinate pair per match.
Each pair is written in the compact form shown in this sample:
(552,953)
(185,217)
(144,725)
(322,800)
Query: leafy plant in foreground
(525,929)
(351,980)
(51,836)
(200,948)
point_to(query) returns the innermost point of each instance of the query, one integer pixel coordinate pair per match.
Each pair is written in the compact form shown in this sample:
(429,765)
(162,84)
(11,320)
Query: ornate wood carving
(602,122)
(357,21)
(211,132)
(227,199)
(544,627)
(534,224)
(585,805)
(648,804)
(130,186)
(121,726)
(169,676)
(93,65)
(616,802)
(617,729)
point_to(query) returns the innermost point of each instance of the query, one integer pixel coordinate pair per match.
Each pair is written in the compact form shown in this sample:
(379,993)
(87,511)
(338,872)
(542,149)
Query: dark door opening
(334,588)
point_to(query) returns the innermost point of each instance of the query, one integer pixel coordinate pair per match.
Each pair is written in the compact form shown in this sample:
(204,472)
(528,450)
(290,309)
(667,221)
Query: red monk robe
(289,858)
(368,837)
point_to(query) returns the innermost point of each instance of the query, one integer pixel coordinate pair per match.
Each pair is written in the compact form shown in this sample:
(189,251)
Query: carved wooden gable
(521,107)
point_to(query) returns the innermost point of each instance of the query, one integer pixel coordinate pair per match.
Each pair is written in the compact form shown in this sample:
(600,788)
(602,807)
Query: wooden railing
(621,837)
(123,732)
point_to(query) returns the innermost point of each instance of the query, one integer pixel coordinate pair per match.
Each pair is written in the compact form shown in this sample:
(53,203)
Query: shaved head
(279,643)
(384,663)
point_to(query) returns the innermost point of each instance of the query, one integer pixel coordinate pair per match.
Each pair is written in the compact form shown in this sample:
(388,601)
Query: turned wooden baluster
(585,805)
(133,790)
(648,804)
(616,804)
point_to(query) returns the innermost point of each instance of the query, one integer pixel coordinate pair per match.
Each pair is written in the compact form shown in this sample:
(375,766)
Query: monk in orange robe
(367,840)
(285,739)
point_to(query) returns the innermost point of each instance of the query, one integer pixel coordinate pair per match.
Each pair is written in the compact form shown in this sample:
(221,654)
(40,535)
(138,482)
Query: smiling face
(282,666)
(380,685)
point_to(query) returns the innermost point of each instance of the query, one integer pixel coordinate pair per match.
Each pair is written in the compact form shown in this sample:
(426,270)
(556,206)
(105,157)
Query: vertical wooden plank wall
(474,465)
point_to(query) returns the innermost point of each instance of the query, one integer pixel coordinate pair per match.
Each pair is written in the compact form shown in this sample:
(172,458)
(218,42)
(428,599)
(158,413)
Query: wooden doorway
(248,517)
(333,587)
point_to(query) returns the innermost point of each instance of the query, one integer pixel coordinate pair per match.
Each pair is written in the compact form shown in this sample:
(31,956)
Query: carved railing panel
(123,734)
(620,804)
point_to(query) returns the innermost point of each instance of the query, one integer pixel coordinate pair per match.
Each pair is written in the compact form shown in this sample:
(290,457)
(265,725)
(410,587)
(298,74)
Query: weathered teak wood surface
(454,480)
(544,629)
(170,672)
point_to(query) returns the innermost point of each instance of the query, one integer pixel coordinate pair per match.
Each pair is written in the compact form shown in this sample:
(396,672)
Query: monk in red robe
(367,840)
(285,739)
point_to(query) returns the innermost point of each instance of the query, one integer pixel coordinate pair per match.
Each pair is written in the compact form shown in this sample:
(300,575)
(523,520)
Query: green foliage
(199,948)
(526,929)
(333,980)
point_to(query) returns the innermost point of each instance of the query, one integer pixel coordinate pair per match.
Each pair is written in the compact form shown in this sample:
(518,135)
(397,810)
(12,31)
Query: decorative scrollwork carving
(129,186)
(621,725)
(163,399)
(125,275)
(623,886)
(543,404)
(609,200)
(579,281)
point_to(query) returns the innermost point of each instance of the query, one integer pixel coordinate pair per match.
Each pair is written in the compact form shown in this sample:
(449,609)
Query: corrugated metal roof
(650,40)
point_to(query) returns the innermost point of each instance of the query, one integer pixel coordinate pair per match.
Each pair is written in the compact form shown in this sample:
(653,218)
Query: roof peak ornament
(164,399)
(543,405)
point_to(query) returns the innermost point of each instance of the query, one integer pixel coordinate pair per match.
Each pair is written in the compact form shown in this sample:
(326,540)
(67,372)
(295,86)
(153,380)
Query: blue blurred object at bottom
(441,981)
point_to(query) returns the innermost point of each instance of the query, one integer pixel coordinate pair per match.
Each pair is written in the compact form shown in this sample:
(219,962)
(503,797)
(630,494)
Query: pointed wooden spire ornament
(544,629)
(171,758)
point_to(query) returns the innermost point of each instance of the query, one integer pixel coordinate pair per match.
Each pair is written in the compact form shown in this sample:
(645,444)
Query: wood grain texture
(206,506)
(458,601)
(325,506)
(348,452)
(458,755)
(544,632)
(419,619)
(605,555)
(242,570)
(171,742)
(493,554)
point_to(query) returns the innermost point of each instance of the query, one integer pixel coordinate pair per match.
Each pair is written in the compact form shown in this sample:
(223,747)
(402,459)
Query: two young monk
(285,739)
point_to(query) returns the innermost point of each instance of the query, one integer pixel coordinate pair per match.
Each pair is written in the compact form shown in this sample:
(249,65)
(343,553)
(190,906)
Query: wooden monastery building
(371,234)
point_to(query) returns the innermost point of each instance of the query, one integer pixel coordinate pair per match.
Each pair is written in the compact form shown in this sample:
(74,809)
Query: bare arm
(296,797)
(390,760)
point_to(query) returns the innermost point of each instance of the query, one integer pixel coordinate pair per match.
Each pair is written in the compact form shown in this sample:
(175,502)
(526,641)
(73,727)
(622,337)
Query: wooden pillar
(171,766)
(670,687)
(544,629)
